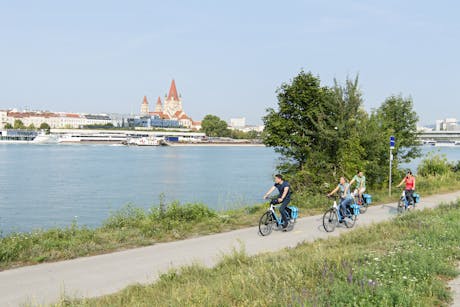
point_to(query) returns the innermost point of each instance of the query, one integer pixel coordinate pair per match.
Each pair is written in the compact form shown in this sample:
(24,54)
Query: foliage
(213,126)
(238,134)
(44,126)
(403,262)
(18,124)
(31,127)
(397,116)
(8,126)
(323,132)
(434,165)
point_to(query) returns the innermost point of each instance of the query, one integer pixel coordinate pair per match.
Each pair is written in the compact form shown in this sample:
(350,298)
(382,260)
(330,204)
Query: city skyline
(229,58)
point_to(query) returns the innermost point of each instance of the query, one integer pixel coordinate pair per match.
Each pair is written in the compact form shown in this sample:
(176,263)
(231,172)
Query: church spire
(173,92)
(159,106)
(145,107)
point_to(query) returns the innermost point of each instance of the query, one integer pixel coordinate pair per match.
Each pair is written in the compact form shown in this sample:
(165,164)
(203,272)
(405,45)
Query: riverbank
(403,262)
(133,227)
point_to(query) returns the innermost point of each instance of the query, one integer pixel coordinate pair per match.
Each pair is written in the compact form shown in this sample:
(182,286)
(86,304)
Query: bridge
(439,136)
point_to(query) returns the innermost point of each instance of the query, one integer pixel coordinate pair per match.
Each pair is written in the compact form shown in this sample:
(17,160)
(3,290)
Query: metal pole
(389,184)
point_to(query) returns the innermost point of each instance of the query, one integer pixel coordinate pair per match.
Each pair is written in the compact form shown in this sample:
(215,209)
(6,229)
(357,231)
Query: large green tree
(304,129)
(324,132)
(213,126)
(398,118)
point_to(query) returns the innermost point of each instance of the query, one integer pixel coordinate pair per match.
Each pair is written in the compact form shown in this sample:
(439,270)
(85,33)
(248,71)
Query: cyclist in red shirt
(409,180)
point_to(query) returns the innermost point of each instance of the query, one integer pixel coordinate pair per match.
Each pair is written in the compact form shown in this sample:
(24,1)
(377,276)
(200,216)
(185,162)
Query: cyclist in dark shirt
(284,197)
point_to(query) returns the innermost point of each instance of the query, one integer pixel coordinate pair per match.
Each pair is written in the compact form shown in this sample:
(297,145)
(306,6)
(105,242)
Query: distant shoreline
(215,145)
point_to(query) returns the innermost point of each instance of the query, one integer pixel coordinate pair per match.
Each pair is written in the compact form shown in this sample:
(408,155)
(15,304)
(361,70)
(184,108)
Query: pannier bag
(355,209)
(416,197)
(367,198)
(293,211)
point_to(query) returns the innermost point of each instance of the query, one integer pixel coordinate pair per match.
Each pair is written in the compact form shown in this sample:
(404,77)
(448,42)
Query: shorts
(361,191)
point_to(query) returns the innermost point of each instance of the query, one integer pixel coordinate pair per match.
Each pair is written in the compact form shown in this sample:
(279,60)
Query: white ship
(94,138)
(18,136)
(145,141)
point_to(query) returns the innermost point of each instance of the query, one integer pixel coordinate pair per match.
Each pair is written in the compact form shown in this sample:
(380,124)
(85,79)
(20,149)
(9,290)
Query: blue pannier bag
(294,212)
(416,197)
(367,198)
(355,209)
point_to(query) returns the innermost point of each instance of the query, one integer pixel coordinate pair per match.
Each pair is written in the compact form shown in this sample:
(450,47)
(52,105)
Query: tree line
(323,132)
(213,126)
(18,124)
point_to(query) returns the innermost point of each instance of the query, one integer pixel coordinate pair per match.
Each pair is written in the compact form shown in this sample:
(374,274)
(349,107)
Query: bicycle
(332,217)
(403,202)
(364,201)
(270,219)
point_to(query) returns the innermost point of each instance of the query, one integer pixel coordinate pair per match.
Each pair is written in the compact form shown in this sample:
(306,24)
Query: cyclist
(284,197)
(360,180)
(345,197)
(409,180)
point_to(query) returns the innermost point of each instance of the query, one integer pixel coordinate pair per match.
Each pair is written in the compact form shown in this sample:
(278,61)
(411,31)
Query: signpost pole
(392,146)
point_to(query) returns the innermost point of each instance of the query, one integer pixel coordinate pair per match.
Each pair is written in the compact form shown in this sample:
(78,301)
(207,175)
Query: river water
(42,186)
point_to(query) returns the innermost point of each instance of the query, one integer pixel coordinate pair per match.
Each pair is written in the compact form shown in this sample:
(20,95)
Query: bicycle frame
(337,209)
(273,211)
(404,200)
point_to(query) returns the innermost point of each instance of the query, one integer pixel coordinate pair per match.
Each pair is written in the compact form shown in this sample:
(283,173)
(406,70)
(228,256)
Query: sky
(228,57)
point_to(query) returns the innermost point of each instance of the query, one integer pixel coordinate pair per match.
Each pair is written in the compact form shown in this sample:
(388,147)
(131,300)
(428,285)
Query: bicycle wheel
(363,207)
(401,206)
(330,220)
(350,220)
(266,223)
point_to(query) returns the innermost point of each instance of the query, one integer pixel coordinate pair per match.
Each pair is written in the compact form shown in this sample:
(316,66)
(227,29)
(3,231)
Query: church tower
(145,107)
(159,106)
(173,102)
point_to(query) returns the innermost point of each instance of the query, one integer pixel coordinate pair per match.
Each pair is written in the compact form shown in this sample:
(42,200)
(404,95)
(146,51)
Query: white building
(448,124)
(55,120)
(237,123)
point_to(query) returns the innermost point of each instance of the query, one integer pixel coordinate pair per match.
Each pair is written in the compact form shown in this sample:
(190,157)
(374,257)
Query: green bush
(434,165)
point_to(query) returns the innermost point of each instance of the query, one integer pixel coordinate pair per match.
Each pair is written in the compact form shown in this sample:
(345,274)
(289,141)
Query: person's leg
(409,197)
(284,215)
(343,207)
(348,202)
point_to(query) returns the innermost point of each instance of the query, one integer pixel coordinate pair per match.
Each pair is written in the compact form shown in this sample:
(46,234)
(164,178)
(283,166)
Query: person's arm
(270,191)
(334,191)
(414,183)
(285,191)
(348,187)
(404,180)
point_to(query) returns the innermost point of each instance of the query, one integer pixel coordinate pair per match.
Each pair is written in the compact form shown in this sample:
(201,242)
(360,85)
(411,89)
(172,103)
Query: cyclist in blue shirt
(284,197)
(345,196)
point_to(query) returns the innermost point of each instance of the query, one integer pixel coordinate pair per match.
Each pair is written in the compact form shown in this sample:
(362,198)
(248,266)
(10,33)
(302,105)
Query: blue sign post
(392,146)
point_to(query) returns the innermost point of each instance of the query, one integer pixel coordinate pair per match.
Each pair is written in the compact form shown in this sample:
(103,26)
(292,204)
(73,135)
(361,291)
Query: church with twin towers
(171,109)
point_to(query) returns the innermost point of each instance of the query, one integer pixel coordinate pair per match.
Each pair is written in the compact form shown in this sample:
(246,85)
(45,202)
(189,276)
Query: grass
(134,227)
(402,262)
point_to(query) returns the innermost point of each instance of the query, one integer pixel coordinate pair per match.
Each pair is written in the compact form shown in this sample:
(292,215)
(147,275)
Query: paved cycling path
(104,274)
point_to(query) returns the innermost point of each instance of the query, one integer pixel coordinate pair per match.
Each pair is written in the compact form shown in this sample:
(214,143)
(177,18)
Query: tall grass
(403,262)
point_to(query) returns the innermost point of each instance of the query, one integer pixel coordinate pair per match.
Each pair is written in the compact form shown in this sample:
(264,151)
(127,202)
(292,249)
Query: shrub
(434,165)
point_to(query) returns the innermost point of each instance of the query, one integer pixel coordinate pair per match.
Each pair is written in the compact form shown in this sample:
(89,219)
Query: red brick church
(172,109)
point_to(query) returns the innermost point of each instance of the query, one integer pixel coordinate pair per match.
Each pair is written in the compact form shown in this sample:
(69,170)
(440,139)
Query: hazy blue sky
(228,57)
